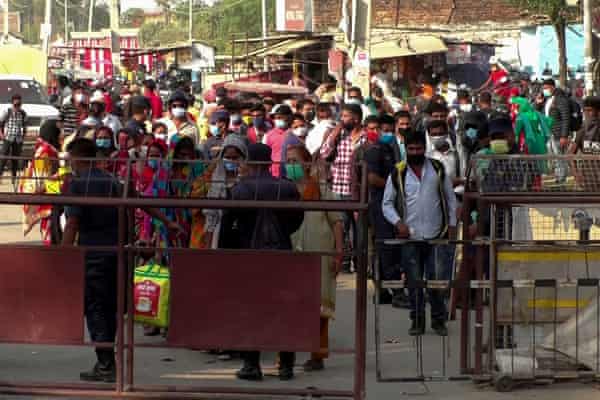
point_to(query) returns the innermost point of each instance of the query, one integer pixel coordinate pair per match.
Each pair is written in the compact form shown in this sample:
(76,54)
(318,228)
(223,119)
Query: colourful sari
(181,186)
(36,179)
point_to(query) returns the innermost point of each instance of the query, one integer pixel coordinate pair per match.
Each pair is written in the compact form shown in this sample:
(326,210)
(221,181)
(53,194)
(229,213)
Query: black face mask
(309,116)
(402,131)
(349,126)
(416,160)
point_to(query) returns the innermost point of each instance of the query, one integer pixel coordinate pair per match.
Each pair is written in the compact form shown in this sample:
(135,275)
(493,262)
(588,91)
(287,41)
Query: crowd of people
(251,147)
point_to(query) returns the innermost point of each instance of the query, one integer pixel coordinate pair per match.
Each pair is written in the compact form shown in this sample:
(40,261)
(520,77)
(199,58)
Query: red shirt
(108,104)
(155,104)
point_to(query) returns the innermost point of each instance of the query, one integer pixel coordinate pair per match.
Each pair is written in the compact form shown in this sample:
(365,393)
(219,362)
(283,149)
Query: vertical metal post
(191,21)
(464,277)
(493,294)
(120,298)
(361,300)
(588,47)
(233,58)
(66,22)
(47,32)
(90,19)
(264,32)
(6,30)
(479,301)
(247,56)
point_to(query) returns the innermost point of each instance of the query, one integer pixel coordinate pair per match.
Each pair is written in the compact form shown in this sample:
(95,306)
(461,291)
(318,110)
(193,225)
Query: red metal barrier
(274,299)
(41,295)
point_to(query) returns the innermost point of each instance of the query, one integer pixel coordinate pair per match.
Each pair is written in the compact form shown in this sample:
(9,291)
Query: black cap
(258,152)
(550,82)
(500,125)
(282,109)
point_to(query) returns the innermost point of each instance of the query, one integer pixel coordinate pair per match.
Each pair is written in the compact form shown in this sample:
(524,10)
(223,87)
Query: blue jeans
(423,261)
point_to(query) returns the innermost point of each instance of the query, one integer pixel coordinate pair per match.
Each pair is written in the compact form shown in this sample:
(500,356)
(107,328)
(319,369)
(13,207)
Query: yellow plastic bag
(151,294)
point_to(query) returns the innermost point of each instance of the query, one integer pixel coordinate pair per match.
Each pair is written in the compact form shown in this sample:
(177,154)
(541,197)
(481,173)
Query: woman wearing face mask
(217,184)
(532,129)
(160,132)
(43,166)
(185,169)
(320,231)
(295,136)
(104,140)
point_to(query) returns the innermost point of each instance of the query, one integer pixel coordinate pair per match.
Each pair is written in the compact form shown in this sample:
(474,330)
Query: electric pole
(6,30)
(191,22)
(264,32)
(588,47)
(47,30)
(90,18)
(66,22)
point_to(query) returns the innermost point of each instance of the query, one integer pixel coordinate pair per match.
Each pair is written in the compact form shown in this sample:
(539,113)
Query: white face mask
(300,132)
(160,136)
(79,97)
(466,107)
(178,112)
(439,142)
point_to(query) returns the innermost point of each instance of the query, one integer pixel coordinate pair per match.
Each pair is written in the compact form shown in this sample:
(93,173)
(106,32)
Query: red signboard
(294,15)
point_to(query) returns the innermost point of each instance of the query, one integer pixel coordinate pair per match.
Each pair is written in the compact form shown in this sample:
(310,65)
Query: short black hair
(355,89)
(387,119)
(592,101)
(324,107)
(157,125)
(463,94)
(436,123)
(269,101)
(485,97)
(16,96)
(354,109)
(415,137)
(549,82)
(298,116)
(371,119)
(402,114)
(258,107)
(301,103)
(82,148)
(434,107)
(184,142)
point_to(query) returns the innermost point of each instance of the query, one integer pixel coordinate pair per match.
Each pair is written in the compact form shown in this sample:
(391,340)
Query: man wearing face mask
(325,122)
(557,107)
(218,130)
(380,161)
(420,203)
(306,107)
(403,127)
(442,150)
(282,117)
(259,126)
(179,123)
(140,108)
(355,97)
(74,110)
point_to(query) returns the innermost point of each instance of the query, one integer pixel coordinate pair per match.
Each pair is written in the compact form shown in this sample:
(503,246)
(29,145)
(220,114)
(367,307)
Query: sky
(125,4)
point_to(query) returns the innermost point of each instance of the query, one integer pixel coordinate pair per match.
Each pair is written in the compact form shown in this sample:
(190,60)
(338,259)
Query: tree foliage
(32,16)
(558,14)
(160,33)
(132,18)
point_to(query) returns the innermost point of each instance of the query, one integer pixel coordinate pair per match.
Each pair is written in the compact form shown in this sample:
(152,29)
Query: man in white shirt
(420,202)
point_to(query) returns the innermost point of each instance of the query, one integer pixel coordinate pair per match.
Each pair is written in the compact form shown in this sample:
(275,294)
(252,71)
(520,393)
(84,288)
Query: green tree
(160,33)
(559,14)
(133,18)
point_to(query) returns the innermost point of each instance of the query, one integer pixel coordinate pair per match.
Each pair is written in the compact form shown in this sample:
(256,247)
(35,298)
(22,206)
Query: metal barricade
(51,280)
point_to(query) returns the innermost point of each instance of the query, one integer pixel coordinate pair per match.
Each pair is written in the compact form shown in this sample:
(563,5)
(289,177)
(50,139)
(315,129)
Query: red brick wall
(327,13)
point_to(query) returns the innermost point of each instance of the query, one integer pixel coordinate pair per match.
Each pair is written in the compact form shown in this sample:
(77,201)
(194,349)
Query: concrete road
(170,366)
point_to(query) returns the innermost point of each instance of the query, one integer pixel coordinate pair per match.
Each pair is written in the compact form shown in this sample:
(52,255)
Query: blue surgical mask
(154,163)
(280,123)
(236,119)
(386,138)
(471,133)
(214,130)
(259,122)
(230,166)
(103,143)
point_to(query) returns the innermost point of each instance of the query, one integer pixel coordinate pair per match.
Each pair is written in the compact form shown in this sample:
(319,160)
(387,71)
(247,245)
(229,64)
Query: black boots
(100,373)
(439,327)
(417,327)
(250,372)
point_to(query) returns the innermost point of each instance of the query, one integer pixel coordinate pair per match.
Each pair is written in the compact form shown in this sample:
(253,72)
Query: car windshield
(31,91)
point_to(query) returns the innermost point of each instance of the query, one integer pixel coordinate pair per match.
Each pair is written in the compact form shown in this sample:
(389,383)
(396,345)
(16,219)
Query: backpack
(267,232)
(575,115)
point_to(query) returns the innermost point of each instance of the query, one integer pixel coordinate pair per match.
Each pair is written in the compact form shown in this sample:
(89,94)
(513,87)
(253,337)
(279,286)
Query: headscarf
(534,124)
(50,132)
(218,187)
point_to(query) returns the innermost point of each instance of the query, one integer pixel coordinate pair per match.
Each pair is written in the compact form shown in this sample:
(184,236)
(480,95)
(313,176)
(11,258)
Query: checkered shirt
(14,125)
(341,168)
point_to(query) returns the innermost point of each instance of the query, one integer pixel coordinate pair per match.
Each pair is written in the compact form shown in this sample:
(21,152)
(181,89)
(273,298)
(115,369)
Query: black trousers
(101,302)
(252,358)
(11,149)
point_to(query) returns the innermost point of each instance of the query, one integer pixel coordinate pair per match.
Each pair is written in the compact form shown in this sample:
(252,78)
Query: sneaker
(99,373)
(314,365)
(250,373)
(417,328)
(439,327)
(286,373)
